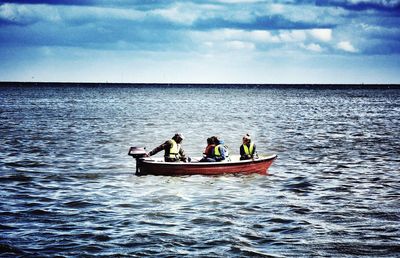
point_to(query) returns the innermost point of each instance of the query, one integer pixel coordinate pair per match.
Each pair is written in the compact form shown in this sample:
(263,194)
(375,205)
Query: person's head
(215,139)
(246,139)
(178,137)
(218,140)
(210,141)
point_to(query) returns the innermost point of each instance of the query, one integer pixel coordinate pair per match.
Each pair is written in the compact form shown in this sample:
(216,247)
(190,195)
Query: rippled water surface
(67,185)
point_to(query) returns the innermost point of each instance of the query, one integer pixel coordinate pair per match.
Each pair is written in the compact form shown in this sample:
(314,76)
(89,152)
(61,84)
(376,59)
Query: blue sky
(210,41)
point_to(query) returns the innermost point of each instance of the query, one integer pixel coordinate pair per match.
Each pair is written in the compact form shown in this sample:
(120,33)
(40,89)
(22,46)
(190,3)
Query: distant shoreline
(198,85)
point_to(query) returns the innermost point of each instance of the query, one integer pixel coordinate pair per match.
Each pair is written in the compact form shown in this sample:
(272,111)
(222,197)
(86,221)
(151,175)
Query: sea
(68,187)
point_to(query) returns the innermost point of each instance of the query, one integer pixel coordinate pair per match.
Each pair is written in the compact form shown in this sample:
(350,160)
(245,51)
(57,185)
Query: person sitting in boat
(248,149)
(220,150)
(173,150)
(209,150)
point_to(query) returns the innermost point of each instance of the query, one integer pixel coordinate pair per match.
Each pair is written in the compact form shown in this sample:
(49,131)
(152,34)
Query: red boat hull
(153,167)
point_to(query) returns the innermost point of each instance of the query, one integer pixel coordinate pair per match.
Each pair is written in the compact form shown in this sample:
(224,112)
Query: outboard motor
(137,153)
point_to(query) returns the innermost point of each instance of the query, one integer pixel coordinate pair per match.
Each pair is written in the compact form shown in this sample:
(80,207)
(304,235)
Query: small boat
(157,166)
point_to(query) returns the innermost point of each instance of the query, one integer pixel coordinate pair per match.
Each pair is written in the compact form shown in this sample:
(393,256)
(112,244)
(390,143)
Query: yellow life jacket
(174,151)
(248,150)
(217,153)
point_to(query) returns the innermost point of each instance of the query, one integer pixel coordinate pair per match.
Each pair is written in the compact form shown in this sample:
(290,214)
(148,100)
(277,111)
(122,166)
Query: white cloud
(276,8)
(262,36)
(322,34)
(231,37)
(179,13)
(313,47)
(31,13)
(256,36)
(240,45)
(346,46)
(292,35)
(27,14)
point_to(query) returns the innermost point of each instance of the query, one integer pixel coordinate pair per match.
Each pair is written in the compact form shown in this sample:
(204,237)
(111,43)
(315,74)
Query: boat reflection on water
(157,166)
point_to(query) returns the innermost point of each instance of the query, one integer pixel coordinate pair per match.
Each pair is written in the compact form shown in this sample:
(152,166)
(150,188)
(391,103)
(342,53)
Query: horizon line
(197,83)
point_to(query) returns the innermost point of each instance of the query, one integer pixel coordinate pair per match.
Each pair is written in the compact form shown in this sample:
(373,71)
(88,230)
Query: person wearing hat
(247,149)
(173,151)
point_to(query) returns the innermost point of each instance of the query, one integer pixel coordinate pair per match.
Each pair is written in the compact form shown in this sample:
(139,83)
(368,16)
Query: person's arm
(182,154)
(241,151)
(160,148)
(255,154)
(223,152)
(207,151)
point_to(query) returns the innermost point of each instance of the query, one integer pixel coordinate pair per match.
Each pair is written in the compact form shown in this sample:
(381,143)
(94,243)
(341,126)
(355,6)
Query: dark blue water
(68,189)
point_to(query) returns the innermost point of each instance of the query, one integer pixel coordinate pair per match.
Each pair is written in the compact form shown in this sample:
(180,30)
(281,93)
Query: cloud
(184,14)
(312,47)
(287,41)
(272,22)
(258,36)
(158,28)
(240,45)
(87,27)
(322,34)
(25,15)
(114,3)
(346,46)
(362,5)
(234,29)
(20,14)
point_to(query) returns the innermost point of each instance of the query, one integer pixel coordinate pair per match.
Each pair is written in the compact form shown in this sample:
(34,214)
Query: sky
(201,41)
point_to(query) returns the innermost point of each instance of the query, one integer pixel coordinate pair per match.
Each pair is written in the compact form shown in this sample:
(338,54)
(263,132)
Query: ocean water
(68,189)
